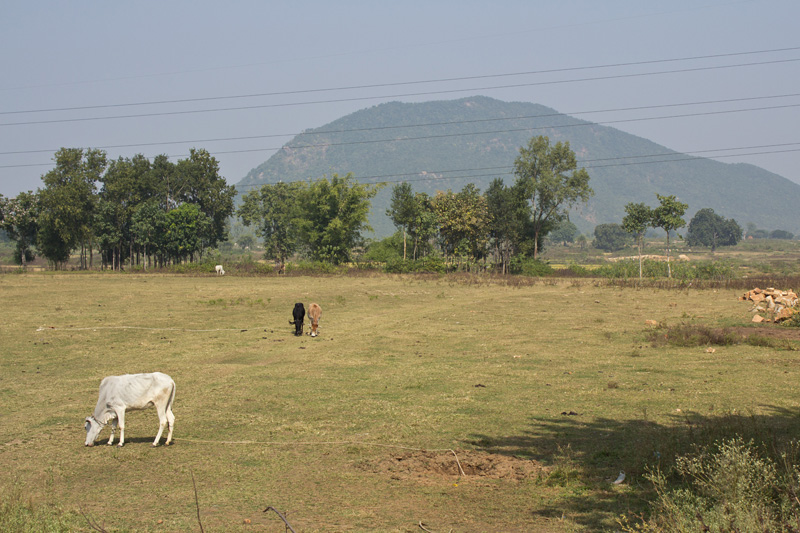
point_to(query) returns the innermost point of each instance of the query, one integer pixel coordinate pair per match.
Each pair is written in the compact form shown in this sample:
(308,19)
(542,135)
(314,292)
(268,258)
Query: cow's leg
(171,422)
(162,421)
(113,427)
(121,419)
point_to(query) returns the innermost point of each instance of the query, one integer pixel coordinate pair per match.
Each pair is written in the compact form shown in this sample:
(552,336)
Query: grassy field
(452,404)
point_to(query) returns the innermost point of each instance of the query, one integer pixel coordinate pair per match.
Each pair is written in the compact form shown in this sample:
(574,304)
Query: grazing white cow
(220,270)
(314,312)
(128,393)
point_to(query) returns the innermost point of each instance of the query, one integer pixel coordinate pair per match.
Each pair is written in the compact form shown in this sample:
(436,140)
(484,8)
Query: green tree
(781,234)
(710,229)
(112,232)
(507,212)
(333,215)
(549,180)
(246,241)
(202,185)
(463,221)
(275,211)
(424,225)
(185,227)
(19,219)
(668,216)
(402,210)
(149,228)
(637,220)
(564,232)
(127,184)
(610,237)
(68,202)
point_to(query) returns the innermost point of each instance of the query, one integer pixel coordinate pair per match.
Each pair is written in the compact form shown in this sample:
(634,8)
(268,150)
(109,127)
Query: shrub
(530,267)
(731,485)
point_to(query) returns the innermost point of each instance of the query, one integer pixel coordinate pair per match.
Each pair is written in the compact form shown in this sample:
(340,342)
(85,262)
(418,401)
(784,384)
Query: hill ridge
(474,133)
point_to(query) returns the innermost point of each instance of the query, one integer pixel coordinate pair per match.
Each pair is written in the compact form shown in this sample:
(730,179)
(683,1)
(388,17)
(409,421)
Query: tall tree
(507,211)
(202,185)
(185,227)
(274,210)
(610,237)
(333,214)
(639,217)
(564,232)
(19,218)
(668,216)
(402,209)
(710,229)
(463,221)
(125,187)
(550,180)
(68,202)
(149,228)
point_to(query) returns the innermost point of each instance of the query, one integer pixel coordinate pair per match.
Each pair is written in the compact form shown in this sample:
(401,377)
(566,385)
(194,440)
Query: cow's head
(93,428)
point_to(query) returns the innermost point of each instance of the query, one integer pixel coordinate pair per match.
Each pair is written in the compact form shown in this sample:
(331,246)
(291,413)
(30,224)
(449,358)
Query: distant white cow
(128,393)
(219,270)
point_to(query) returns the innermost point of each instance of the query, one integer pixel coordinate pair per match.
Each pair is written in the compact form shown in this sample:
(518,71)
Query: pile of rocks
(771,305)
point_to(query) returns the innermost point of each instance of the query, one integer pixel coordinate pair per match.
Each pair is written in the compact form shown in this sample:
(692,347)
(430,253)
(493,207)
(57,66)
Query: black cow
(299,313)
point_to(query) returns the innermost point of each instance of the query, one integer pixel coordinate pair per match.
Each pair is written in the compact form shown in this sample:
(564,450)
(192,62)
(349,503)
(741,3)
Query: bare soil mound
(421,465)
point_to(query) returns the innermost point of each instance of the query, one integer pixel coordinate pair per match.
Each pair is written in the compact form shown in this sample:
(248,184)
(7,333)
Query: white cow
(128,393)
(220,270)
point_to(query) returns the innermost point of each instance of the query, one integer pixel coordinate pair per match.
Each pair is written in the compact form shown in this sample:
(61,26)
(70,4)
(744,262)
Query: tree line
(323,219)
(141,212)
(132,210)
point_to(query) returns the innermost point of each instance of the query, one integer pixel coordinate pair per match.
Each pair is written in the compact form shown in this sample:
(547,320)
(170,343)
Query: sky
(714,78)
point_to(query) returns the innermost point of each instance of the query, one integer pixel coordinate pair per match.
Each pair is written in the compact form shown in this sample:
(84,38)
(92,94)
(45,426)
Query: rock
(758,318)
(784,314)
(651,322)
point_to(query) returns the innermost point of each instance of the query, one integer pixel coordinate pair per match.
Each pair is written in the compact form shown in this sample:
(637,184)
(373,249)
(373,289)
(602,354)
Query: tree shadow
(585,455)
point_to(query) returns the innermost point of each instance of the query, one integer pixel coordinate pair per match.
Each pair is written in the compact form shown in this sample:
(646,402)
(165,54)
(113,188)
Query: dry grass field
(450,404)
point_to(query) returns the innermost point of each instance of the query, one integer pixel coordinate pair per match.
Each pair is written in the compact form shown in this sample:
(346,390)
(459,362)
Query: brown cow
(314,312)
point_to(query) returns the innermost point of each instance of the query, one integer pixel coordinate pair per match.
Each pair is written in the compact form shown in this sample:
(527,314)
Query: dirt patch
(771,331)
(432,466)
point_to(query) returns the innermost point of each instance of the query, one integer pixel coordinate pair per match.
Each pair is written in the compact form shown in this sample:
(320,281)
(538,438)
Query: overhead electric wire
(451,123)
(404,83)
(431,175)
(381,97)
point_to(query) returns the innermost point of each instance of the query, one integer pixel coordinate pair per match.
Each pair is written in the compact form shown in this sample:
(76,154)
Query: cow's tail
(171,398)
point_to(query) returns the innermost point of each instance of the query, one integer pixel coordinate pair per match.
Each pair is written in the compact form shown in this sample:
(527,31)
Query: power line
(451,123)
(587,163)
(508,169)
(405,83)
(381,97)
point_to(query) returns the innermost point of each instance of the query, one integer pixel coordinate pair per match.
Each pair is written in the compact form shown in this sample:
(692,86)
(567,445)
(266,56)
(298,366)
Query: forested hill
(447,144)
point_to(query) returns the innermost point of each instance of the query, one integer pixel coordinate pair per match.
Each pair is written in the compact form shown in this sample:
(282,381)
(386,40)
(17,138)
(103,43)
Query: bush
(731,485)
(312,267)
(530,267)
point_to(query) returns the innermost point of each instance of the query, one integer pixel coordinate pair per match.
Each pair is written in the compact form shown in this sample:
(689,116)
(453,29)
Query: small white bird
(620,478)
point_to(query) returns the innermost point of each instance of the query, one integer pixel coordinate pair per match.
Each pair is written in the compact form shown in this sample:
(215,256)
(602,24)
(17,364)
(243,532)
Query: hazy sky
(154,65)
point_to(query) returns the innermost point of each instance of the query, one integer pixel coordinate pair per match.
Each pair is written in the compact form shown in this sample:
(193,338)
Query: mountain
(445,145)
